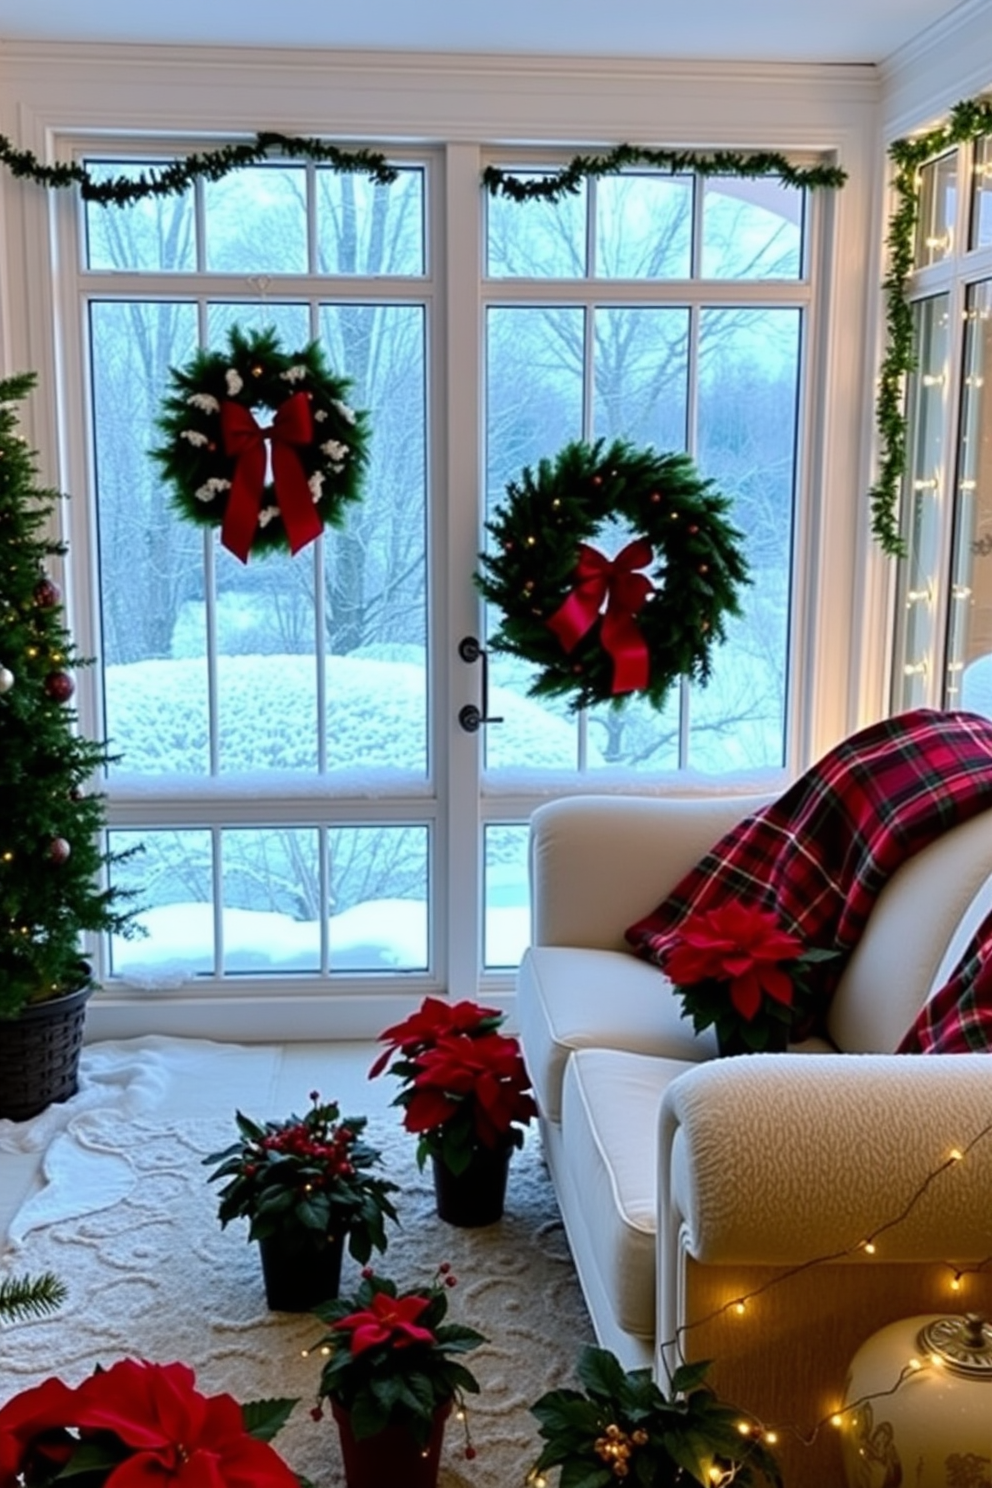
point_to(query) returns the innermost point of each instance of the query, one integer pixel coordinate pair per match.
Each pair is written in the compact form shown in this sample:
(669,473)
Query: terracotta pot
(476,1196)
(39,1054)
(393,1455)
(300,1268)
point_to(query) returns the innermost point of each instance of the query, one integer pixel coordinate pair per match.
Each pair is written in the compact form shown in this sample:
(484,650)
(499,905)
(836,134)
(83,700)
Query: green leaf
(264,1419)
(601,1372)
(689,1376)
(581,1475)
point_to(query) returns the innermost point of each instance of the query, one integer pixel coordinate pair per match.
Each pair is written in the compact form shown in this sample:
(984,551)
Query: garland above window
(210,165)
(968,120)
(213,165)
(553,185)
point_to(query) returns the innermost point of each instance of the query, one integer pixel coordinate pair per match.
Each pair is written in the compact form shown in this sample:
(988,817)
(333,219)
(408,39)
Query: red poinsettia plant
(390,1358)
(734,966)
(465,1084)
(140,1425)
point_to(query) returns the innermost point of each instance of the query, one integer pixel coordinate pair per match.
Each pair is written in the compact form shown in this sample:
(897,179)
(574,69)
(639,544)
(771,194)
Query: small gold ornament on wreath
(600,629)
(267,486)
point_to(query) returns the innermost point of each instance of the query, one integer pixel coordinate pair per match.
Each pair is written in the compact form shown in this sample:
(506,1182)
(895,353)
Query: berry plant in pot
(466,1096)
(392,1373)
(622,1427)
(305,1184)
(53,860)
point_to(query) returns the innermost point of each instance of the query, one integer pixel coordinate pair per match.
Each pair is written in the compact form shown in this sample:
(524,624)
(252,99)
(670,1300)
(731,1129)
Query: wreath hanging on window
(271,486)
(600,629)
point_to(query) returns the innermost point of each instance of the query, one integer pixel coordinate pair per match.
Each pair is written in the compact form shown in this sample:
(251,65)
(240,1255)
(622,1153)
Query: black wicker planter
(39,1055)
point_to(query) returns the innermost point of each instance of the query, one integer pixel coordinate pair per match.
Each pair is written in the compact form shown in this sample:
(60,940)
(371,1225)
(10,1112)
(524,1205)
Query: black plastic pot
(476,1196)
(301,1269)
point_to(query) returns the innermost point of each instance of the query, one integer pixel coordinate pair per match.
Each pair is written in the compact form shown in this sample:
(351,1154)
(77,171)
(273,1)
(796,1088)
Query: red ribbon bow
(615,581)
(244,441)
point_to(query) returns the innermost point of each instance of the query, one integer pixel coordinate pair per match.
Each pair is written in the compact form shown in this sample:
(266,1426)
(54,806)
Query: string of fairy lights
(866,1245)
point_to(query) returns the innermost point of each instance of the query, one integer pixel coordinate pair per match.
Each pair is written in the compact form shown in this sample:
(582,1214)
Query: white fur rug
(152,1275)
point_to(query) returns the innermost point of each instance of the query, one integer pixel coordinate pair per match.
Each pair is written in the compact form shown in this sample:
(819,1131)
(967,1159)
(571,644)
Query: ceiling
(759,30)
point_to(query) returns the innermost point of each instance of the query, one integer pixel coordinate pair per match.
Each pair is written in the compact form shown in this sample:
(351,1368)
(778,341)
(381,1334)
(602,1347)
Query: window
(313,822)
(943,654)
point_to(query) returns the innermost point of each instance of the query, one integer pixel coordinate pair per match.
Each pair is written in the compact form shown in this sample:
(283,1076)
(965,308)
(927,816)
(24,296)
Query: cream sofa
(687,1182)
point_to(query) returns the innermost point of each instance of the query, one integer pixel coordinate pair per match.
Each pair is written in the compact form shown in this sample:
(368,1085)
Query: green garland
(211,165)
(967,121)
(552,186)
(532,569)
(255,373)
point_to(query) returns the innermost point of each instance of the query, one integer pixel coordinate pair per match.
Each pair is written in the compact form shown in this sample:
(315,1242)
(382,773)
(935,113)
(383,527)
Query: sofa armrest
(598,863)
(776,1159)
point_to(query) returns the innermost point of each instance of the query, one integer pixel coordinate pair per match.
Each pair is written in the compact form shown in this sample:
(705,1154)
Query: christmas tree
(52,858)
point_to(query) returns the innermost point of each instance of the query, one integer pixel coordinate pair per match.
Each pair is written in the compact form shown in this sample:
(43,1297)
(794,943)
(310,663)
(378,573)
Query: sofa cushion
(569,998)
(610,1106)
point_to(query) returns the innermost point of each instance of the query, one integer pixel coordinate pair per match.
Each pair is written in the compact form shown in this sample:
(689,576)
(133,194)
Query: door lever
(470,717)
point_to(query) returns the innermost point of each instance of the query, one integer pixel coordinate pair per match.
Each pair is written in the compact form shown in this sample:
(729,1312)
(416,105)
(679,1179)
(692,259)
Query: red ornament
(47,593)
(59,850)
(59,686)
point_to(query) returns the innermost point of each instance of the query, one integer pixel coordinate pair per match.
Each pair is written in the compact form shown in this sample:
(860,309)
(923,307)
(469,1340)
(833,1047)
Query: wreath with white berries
(215,455)
(599,629)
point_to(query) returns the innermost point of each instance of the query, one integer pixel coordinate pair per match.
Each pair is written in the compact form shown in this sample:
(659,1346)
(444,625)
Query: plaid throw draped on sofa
(820,855)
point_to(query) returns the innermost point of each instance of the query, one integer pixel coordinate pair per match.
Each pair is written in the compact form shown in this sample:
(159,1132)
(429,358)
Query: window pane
(256,221)
(969,650)
(536,239)
(156,233)
(534,362)
(644,227)
(507,917)
(748,382)
(271,899)
(290,322)
(938,208)
(172,879)
(151,561)
(981,209)
(363,228)
(376,564)
(641,376)
(378,898)
(752,229)
(926,401)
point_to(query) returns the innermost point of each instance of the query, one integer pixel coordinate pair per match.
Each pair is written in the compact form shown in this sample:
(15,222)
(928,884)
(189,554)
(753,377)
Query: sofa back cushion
(918,928)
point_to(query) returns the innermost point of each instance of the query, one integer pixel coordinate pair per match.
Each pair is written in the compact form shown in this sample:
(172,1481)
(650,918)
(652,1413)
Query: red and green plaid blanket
(820,855)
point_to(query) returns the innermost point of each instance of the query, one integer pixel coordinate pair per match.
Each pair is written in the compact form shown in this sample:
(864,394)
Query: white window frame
(474,104)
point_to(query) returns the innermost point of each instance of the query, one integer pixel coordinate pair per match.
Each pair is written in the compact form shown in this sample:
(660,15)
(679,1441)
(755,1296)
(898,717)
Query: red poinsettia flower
(432,1020)
(739,944)
(24,1423)
(178,1436)
(391,1320)
(488,1070)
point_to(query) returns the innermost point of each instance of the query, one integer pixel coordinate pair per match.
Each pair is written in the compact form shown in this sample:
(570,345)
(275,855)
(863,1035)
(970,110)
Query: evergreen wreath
(214,456)
(552,585)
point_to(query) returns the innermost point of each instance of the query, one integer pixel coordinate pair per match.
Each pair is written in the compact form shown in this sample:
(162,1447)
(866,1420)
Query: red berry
(316,1414)
(444,1267)
(367,1272)
(450,1281)
(470,1452)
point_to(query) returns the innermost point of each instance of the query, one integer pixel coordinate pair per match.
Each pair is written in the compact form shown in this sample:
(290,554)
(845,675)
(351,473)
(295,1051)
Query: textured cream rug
(153,1276)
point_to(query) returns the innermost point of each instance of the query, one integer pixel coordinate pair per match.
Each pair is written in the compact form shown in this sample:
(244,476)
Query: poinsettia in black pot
(466,1096)
(305,1184)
